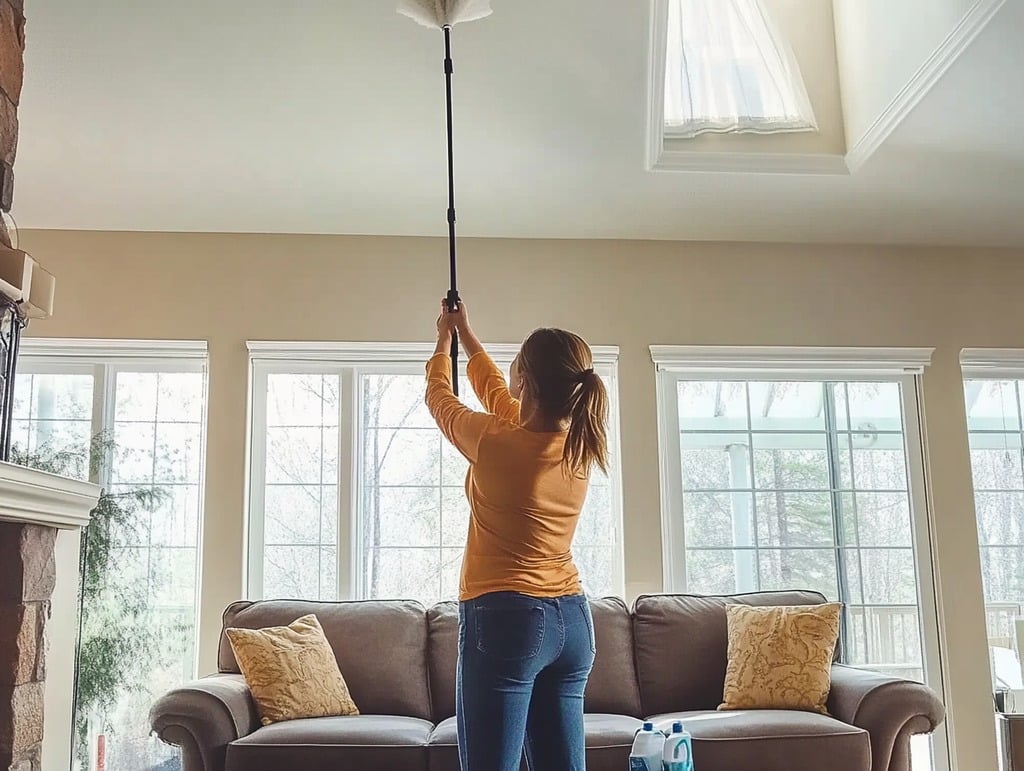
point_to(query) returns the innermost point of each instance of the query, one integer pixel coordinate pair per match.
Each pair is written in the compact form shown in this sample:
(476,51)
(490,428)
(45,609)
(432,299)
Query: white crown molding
(99,349)
(383,353)
(37,498)
(993,363)
(751,163)
(922,82)
(811,360)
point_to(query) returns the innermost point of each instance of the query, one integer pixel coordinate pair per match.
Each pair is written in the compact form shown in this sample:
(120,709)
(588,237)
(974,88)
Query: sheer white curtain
(728,69)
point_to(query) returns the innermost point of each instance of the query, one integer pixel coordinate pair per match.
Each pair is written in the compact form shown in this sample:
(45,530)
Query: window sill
(668,158)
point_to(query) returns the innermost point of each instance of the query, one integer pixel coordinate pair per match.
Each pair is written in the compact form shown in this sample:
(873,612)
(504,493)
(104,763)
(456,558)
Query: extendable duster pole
(453,287)
(443,15)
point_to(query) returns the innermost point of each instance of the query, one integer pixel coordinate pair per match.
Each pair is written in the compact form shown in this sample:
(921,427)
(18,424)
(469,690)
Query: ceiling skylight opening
(729,70)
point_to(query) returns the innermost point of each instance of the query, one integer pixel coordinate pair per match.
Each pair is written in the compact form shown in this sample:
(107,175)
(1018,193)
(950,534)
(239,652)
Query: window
(793,469)
(355,493)
(52,410)
(994,399)
(147,401)
(728,69)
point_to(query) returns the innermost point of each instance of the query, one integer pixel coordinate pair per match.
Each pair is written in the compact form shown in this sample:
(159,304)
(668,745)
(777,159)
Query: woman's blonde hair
(559,368)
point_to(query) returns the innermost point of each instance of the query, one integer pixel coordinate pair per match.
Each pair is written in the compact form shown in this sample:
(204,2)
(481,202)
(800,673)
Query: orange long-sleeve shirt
(524,508)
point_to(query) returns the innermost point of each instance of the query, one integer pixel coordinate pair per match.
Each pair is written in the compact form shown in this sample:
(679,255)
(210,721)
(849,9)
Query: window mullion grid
(320,493)
(350,459)
(805,490)
(1020,424)
(754,524)
(1020,455)
(856,520)
(152,486)
(32,411)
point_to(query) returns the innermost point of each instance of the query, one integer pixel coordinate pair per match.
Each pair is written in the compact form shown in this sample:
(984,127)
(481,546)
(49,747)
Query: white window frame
(674,363)
(993,364)
(350,361)
(103,360)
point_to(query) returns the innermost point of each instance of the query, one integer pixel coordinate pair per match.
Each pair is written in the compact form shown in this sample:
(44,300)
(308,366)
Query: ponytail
(586,445)
(559,367)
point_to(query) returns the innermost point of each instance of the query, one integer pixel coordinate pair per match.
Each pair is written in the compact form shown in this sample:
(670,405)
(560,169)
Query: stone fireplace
(12,49)
(34,508)
(27,577)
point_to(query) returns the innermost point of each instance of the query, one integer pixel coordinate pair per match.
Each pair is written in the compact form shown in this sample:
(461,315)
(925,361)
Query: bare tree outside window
(409,515)
(997,459)
(149,463)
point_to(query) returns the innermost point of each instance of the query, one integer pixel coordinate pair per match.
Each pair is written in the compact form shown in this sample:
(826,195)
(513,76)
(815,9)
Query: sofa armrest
(204,717)
(890,709)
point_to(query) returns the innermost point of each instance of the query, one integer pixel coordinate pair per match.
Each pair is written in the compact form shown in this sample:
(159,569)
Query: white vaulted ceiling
(327,116)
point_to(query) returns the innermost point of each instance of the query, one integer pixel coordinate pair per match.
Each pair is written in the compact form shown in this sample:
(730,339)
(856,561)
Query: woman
(526,636)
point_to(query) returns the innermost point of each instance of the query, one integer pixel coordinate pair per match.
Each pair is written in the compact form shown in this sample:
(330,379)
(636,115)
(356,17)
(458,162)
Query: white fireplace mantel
(38,498)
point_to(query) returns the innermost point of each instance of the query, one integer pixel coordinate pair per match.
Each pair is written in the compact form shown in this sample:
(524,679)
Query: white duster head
(438,14)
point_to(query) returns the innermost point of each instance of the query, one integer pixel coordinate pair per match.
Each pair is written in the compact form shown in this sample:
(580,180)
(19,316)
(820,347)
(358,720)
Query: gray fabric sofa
(663,660)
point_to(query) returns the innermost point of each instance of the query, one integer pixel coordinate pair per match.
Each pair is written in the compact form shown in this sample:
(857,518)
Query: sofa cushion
(280,662)
(381,647)
(445,734)
(443,747)
(681,644)
(371,742)
(609,738)
(772,740)
(612,687)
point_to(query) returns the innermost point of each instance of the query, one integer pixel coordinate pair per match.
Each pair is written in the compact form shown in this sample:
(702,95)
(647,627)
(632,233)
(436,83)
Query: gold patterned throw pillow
(291,671)
(780,657)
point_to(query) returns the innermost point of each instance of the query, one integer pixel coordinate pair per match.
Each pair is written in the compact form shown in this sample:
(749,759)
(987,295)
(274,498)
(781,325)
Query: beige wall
(229,288)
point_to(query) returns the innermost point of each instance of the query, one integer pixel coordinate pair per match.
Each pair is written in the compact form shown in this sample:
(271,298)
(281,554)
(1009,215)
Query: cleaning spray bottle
(678,752)
(648,745)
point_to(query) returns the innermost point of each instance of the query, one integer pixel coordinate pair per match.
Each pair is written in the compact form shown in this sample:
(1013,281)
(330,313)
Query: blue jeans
(523,668)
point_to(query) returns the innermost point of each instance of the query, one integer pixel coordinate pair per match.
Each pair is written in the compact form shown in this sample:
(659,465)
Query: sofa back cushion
(381,647)
(682,646)
(443,657)
(612,686)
